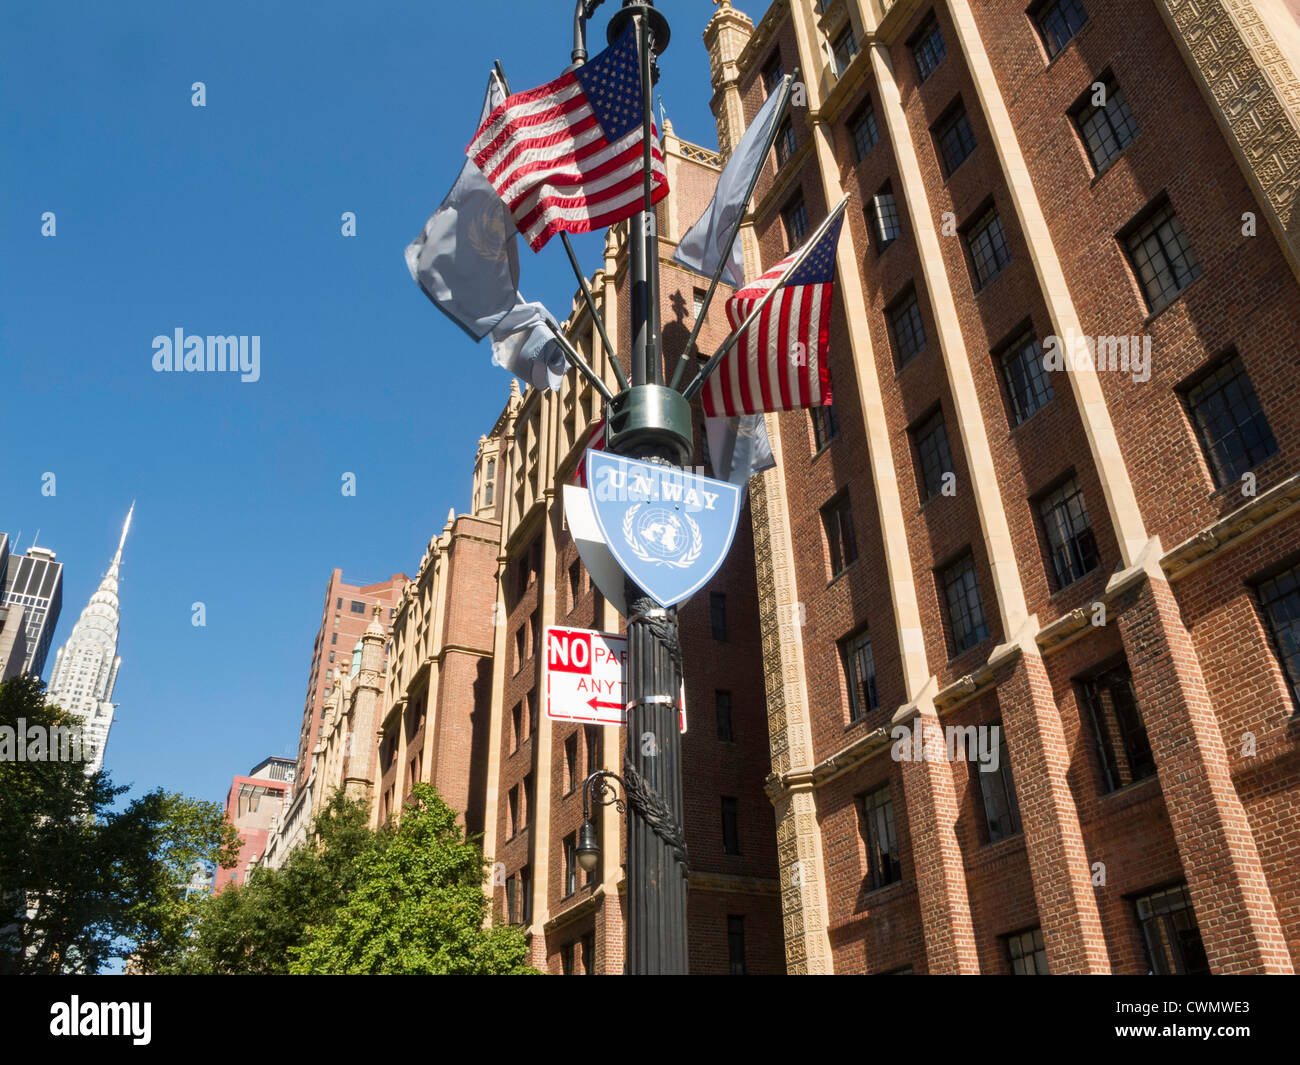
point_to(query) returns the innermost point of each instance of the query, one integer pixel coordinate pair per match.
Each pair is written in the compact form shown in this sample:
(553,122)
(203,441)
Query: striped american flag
(568,156)
(595,442)
(779,363)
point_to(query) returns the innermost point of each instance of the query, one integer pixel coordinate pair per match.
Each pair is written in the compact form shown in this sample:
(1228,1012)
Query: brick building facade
(1101,563)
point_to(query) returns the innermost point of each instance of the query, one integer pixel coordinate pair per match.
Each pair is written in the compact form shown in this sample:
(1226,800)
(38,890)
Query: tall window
(570,763)
(526,893)
(773,73)
(843,50)
(955,138)
(1028,954)
(1106,128)
(837,520)
(567,959)
(785,143)
(722,705)
(928,48)
(730,825)
(697,302)
(575,584)
(1058,21)
(998,790)
(1232,428)
(883,866)
(591,740)
(1118,731)
(1069,533)
(1028,386)
(966,621)
(933,457)
(986,244)
(860,671)
(1161,257)
(526,817)
(513,801)
(512,900)
(795,217)
(1170,933)
(864,130)
(908,329)
(825,425)
(735,945)
(718,615)
(1279,597)
(884,218)
(570,864)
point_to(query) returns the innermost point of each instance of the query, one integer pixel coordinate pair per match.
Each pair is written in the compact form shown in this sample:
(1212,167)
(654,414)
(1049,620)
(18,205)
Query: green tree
(80,881)
(250,929)
(418,907)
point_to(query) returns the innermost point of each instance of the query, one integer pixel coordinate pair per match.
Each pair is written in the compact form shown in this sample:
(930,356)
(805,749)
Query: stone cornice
(842,761)
(576,912)
(1234,529)
(731,884)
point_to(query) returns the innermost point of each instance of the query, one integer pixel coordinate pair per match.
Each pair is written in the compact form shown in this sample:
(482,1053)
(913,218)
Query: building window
(785,143)
(795,217)
(1027,953)
(570,864)
(697,302)
(338,603)
(966,621)
(1028,386)
(884,218)
(1230,425)
(927,48)
(566,959)
(1106,128)
(907,328)
(358,608)
(1057,22)
(837,521)
(331,656)
(591,740)
(825,426)
(1120,735)
(531,723)
(865,132)
(718,615)
(955,138)
(487,494)
(1159,253)
(334,639)
(843,50)
(513,801)
(933,456)
(526,893)
(860,671)
(1169,931)
(517,720)
(570,764)
(735,945)
(722,707)
(998,790)
(535,632)
(1069,533)
(1279,597)
(730,826)
(772,74)
(521,646)
(986,244)
(587,945)
(513,913)
(526,796)
(575,584)
(878,833)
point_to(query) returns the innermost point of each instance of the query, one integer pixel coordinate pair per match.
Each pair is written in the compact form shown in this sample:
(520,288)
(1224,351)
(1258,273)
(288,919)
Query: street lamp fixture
(597,787)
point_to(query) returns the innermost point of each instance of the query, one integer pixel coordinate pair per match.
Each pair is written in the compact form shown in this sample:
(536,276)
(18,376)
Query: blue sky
(226,220)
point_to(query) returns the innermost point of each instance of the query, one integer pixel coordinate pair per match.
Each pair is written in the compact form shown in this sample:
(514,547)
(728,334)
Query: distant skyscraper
(33,581)
(85,668)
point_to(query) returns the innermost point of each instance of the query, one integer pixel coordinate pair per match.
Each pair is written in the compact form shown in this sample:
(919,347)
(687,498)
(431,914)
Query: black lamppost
(651,422)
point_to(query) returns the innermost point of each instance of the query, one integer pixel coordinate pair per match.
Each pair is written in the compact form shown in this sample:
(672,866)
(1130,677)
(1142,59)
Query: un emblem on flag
(668,529)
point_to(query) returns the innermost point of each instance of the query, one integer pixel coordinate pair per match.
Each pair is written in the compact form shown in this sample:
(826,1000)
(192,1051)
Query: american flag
(779,363)
(568,156)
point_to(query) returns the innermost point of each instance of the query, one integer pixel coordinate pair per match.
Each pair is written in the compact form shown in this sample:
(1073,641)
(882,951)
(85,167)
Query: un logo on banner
(670,530)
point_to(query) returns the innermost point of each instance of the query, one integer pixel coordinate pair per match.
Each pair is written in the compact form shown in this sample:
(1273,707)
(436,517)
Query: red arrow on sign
(593,702)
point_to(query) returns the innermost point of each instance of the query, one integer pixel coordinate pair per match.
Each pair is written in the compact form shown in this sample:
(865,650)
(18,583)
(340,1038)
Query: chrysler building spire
(85,669)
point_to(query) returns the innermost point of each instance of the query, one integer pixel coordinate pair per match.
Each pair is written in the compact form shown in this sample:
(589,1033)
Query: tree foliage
(407,900)
(80,881)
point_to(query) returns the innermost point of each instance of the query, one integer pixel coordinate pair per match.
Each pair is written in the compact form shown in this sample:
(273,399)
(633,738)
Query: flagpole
(787,86)
(701,378)
(581,364)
